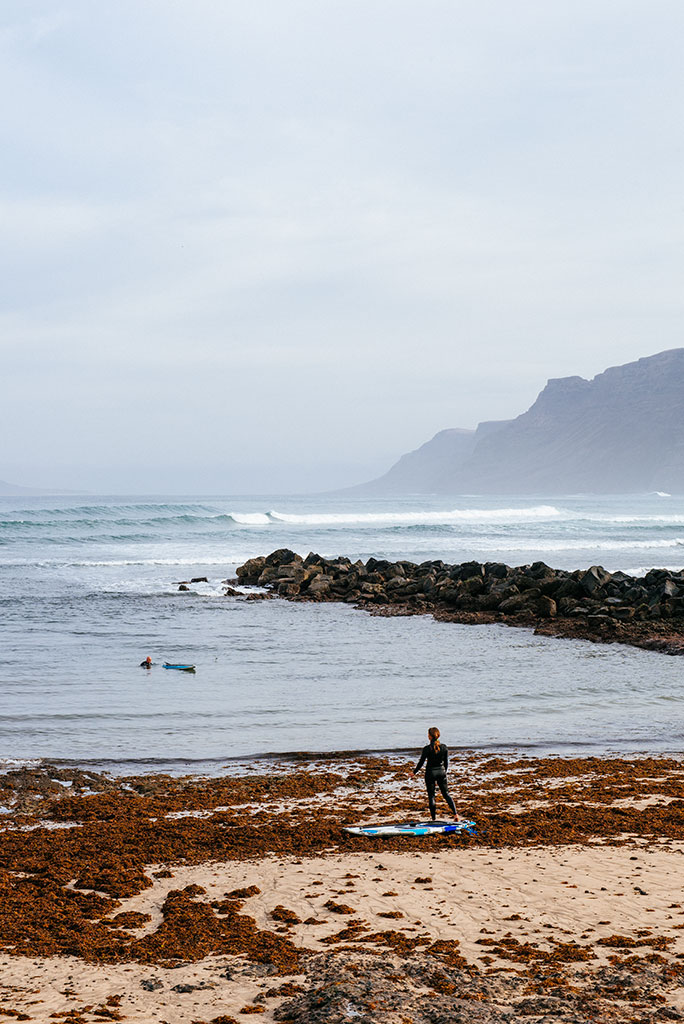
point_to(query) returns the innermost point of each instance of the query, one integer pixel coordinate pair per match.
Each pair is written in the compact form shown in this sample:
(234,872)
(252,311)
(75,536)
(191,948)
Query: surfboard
(181,668)
(412,828)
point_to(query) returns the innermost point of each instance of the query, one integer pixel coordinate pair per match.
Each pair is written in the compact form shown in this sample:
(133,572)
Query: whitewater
(90,587)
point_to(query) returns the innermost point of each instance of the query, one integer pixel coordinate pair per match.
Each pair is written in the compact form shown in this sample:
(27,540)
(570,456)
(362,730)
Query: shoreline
(593,604)
(241,765)
(200,900)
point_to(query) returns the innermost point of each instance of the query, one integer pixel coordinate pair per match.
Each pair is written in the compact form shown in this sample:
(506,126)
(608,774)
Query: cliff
(621,432)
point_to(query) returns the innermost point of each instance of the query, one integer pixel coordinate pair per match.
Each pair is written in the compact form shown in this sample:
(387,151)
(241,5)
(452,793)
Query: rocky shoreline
(591,604)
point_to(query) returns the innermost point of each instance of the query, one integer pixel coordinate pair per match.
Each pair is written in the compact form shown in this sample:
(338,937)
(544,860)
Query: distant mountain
(15,491)
(621,432)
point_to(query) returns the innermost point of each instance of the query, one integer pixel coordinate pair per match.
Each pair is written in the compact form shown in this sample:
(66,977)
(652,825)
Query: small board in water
(412,828)
(181,668)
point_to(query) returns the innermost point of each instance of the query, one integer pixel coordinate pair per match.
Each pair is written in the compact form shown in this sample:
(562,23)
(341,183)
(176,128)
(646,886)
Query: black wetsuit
(436,764)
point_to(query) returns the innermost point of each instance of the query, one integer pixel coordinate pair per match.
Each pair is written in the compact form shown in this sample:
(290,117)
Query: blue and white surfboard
(412,828)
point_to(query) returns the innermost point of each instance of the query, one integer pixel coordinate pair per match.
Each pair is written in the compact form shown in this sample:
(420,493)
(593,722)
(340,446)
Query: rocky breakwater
(594,604)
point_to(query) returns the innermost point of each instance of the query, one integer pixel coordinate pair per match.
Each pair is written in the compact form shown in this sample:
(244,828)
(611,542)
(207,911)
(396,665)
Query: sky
(269,246)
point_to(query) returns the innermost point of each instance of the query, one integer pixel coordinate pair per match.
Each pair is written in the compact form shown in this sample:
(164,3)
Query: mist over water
(90,587)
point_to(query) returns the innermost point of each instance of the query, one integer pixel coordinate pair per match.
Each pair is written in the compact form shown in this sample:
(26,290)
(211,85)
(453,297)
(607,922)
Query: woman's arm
(420,763)
(446,757)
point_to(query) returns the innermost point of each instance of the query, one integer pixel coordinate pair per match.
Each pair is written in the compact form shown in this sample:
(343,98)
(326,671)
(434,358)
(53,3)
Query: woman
(436,758)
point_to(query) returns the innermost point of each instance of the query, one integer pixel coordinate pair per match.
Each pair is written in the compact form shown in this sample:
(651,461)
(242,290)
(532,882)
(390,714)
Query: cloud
(342,226)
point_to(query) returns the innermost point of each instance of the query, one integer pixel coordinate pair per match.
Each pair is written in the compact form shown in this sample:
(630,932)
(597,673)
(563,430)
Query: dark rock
(251,570)
(540,570)
(594,578)
(319,586)
(624,614)
(496,569)
(151,984)
(591,603)
(468,570)
(569,588)
(184,586)
(199,579)
(282,556)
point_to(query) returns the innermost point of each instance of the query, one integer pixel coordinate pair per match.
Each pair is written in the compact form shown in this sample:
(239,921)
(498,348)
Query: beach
(173,846)
(190,899)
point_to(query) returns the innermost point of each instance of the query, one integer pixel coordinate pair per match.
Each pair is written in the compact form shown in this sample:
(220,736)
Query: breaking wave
(447,518)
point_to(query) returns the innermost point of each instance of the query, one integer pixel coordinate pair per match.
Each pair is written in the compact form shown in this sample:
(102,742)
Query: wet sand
(192,900)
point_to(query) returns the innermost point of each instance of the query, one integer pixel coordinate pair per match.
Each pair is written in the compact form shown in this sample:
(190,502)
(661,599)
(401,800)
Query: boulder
(623,614)
(251,570)
(320,586)
(546,607)
(594,578)
(282,556)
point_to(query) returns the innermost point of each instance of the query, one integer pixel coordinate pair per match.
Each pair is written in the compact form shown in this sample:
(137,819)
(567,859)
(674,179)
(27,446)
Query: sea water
(90,588)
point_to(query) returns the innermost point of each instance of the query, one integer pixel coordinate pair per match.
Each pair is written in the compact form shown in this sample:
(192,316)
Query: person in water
(435,756)
(147,663)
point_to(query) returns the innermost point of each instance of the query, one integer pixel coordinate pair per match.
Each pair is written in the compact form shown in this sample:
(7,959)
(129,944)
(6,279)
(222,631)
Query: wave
(184,516)
(446,518)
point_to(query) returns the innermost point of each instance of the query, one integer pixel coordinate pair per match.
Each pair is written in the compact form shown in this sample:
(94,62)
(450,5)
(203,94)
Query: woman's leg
(441,780)
(430,786)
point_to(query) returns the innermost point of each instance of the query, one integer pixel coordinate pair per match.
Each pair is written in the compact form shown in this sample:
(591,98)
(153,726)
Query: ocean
(90,588)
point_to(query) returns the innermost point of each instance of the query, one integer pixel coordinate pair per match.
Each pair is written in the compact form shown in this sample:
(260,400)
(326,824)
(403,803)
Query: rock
(199,579)
(496,569)
(623,614)
(282,557)
(251,570)
(184,586)
(319,586)
(468,570)
(594,578)
(569,588)
(647,612)
(151,984)
(540,570)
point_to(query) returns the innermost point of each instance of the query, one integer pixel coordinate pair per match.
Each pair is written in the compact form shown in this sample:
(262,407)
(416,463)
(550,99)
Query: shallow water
(90,588)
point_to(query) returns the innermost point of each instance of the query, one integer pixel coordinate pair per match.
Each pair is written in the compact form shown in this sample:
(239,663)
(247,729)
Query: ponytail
(433,735)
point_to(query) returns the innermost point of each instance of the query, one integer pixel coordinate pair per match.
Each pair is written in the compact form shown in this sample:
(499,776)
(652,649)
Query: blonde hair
(433,735)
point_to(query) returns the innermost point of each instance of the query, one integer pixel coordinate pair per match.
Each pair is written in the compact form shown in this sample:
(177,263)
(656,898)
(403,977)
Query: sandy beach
(198,900)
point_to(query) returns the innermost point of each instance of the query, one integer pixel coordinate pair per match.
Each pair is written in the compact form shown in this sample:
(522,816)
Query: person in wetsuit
(435,756)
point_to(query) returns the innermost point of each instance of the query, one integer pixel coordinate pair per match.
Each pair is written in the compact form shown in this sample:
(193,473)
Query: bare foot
(457,817)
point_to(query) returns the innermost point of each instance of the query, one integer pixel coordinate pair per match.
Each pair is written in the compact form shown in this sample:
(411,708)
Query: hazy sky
(273,245)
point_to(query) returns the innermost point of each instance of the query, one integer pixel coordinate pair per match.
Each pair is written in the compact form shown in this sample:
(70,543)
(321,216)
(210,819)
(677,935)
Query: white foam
(8,763)
(196,560)
(499,515)
(673,519)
